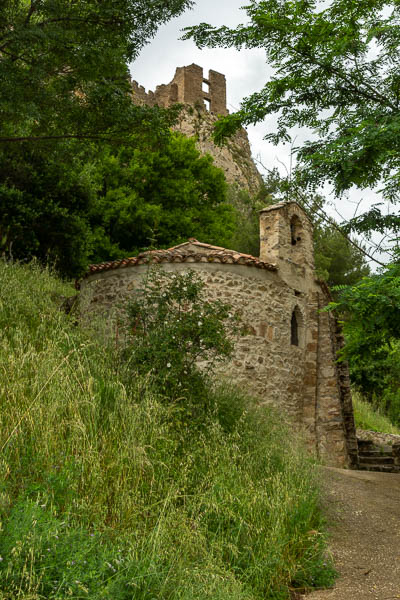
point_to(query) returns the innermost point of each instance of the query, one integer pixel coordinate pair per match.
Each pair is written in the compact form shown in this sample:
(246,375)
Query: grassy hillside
(107,491)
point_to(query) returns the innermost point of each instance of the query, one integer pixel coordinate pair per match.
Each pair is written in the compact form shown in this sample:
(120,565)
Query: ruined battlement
(189,86)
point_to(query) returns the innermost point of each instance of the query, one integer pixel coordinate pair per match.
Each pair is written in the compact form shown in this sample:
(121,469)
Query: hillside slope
(108,490)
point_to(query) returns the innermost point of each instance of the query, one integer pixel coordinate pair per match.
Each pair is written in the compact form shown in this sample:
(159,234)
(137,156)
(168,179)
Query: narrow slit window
(207,104)
(294,330)
(293,233)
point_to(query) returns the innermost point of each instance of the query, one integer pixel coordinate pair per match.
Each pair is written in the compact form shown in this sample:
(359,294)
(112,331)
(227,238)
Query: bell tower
(286,239)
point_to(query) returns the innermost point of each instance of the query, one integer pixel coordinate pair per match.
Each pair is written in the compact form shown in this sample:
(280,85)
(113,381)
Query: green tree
(337,260)
(372,328)
(64,82)
(337,73)
(246,234)
(63,66)
(158,196)
(109,204)
(44,204)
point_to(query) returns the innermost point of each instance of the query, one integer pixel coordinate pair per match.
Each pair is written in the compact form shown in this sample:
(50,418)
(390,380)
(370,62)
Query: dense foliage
(158,195)
(371,310)
(110,204)
(336,73)
(337,260)
(44,206)
(63,65)
(69,192)
(107,492)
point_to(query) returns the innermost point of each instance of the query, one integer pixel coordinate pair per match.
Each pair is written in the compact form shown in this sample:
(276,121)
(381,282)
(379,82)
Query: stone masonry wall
(299,379)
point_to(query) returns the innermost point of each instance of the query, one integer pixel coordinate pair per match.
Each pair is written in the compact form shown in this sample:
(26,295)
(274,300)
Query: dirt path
(364,509)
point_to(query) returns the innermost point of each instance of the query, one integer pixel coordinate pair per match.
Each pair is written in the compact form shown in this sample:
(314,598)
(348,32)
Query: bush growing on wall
(173,327)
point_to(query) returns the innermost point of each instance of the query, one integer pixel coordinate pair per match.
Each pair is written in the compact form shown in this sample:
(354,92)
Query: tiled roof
(191,251)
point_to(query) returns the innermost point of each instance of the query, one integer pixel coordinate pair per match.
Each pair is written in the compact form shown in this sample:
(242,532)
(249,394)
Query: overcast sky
(246,71)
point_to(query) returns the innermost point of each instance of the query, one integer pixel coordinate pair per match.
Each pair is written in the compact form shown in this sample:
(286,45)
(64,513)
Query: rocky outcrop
(234,158)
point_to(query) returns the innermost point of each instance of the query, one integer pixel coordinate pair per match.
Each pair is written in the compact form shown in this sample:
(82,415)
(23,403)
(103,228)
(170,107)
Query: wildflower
(168,365)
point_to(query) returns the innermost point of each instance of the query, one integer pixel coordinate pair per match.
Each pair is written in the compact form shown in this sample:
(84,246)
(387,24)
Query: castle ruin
(189,86)
(204,100)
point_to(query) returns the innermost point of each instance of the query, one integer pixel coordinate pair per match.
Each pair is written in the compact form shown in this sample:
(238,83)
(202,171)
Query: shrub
(173,327)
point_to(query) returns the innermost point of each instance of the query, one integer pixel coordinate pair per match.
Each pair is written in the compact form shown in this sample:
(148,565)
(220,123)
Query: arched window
(297,328)
(294,330)
(295,230)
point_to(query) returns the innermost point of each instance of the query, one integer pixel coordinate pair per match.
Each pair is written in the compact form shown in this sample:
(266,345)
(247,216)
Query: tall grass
(369,417)
(107,491)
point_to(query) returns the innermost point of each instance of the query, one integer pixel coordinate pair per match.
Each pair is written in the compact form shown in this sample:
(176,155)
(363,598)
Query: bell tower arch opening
(286,236)
(296,239)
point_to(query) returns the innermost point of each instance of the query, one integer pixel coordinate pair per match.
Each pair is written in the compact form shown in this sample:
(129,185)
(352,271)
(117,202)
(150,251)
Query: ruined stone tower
(189,86)
(204,100)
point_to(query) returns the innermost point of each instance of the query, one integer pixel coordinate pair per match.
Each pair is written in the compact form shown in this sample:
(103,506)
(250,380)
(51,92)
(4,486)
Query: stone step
(380,468)
(374,453)
(379,459)
(364,443)
(367,445)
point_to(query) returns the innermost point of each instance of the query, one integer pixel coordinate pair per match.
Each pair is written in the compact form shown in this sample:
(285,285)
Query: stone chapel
(288,356)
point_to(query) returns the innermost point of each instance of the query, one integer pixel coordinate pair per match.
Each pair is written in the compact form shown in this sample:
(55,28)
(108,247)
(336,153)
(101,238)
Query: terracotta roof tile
(184,254)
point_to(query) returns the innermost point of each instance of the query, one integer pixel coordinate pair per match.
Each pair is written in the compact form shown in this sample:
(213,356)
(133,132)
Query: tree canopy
(371,310)
(158,197)
(63,65)
(337,73)
(109,204)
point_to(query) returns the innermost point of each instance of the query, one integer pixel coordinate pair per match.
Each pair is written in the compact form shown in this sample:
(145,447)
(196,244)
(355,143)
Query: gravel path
(364,510)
